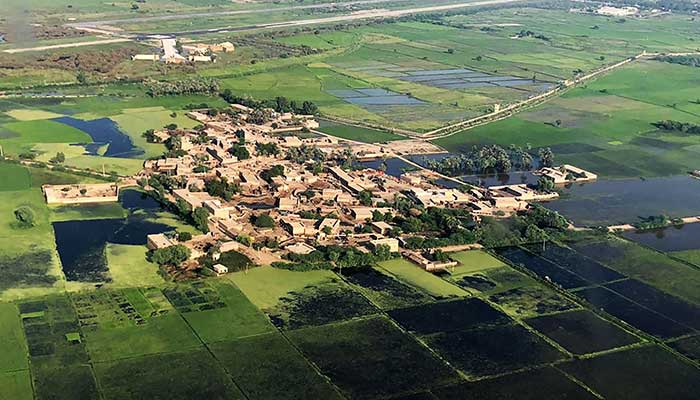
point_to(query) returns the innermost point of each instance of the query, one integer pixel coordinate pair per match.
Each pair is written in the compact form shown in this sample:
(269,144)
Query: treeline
(280,104)
(677,126)
(690,61)
(490,159)
(198,85)
(330,257)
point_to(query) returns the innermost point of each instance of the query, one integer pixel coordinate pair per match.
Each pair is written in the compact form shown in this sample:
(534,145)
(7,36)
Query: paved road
(169,17)
(100,26)
(66,45)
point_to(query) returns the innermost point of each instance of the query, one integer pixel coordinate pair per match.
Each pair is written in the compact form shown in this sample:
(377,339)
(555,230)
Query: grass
(17,241)
(265,286)
(136,121)
(12,342)
(31,115)
(128,267)
(414,276)
(357,133)
(474,261)
(76,157)
(15,177)
(40,131)
(239,318)
(16,385)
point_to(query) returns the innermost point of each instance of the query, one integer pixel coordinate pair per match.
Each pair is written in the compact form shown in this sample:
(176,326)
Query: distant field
(357,133)
(606,126)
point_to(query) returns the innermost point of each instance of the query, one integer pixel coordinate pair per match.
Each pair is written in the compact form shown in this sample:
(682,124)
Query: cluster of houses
(193,52)
(310,206)
(307,200)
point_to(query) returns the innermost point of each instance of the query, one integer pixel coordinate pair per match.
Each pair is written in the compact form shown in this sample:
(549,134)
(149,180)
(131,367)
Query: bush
(25,216)
(173,255)
(264,221)
(184,236)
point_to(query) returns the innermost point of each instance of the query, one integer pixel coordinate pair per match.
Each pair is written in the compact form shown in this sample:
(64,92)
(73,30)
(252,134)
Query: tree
(264,221)
(173,255)
(25,216)
(81,78)
(59,158)
(184,236)
(182,207)
(365,198)
(200,216)
(545,184)
(546,157)
(240,152)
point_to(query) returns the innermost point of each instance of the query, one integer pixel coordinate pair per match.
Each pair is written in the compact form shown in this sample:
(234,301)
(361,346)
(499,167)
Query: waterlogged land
(83,314)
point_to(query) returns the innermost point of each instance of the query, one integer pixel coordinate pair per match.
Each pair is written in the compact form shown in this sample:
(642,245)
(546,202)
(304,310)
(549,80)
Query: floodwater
(512,178)
(672,238)
(81,243)
(394,166)
(611,202)
(104,131)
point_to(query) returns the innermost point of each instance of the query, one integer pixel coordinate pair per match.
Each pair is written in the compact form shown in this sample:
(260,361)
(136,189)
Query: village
(266,177)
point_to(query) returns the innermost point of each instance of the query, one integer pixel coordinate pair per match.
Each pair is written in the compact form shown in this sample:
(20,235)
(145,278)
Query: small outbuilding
(220,269)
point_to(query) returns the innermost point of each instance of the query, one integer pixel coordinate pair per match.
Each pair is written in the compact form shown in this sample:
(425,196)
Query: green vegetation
(421,279)
(128,267)
(607,126)
(236,319)
(12,345)
(357,133)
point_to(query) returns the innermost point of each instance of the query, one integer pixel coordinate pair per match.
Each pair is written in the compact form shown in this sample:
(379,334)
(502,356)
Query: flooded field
(673,238)
(448,316)
(612,202)
(542,268)
(104,131)
(491,351)
(647,373)
(582,332)
(637,316)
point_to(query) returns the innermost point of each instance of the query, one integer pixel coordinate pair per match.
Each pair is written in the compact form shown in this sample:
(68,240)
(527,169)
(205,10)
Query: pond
(394,166)
(672,238)
(81,243)
(104,131)
(611,202)
(512,178)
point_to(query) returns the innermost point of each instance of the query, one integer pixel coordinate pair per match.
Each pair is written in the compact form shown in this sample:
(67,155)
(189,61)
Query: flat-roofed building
(392,243)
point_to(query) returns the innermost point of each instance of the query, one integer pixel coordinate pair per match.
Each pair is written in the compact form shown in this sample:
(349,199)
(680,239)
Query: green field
(357,133)
(413,275)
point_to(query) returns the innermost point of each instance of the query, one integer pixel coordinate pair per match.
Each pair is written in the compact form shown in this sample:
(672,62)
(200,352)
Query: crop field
(431,284)
(493,351)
